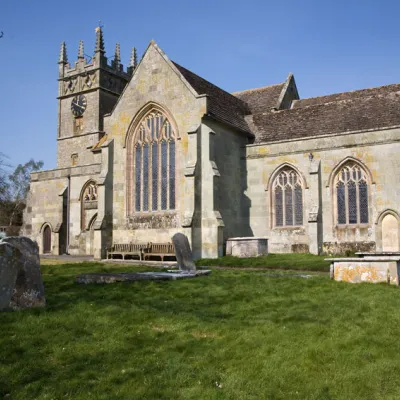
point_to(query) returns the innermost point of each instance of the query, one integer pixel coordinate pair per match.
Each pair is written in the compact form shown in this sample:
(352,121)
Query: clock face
(78,105)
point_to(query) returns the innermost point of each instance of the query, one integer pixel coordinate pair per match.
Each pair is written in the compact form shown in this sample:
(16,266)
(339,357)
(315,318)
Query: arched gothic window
(287,192)
(351,186)
(88,203)
(154,164)
(90,193)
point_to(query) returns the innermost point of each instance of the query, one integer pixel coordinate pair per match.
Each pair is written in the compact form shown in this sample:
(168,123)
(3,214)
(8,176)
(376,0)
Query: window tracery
(351,185)
(154,164)
(287,195)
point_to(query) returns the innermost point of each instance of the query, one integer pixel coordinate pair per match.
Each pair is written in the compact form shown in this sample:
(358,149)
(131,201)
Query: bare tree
(18,188)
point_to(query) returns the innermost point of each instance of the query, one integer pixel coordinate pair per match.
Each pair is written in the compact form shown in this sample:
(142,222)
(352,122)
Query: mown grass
(306,262)
(230,335)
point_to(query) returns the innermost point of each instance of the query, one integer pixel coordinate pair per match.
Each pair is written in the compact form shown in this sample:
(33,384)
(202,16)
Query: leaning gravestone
(183,252)
(20,266)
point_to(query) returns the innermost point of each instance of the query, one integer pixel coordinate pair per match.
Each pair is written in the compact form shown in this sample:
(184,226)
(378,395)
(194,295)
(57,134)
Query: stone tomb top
(136,276)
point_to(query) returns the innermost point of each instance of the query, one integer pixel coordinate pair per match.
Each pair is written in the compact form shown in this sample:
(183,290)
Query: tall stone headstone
(23,263)
(183,252)
(10,262)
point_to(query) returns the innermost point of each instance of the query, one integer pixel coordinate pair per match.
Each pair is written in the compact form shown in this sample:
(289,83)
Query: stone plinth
(247,247)
(374,269)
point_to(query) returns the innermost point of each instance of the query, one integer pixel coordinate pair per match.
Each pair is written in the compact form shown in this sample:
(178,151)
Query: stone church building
(155,149)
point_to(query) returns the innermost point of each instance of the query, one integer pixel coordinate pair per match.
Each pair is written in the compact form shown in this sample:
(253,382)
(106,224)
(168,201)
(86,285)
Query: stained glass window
(352,195)
(154,169)
(288,198)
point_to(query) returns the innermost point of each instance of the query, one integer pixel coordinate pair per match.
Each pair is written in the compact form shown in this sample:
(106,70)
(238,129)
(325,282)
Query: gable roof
(353,95)
(261,99)
(221,105)
(375,111)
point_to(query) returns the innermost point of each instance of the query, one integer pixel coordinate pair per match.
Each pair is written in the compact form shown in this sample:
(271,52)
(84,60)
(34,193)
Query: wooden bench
(159,250)
(127,249)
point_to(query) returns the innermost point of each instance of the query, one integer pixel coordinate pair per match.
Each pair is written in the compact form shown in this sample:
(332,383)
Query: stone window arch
(151,164)
(88,203)
(351,186)
(287,198)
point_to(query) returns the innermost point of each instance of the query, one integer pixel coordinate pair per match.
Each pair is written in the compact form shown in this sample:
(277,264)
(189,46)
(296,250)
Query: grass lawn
(231,335)
(306,262)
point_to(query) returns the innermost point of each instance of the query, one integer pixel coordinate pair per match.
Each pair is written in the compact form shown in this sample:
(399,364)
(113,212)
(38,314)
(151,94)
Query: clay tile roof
(221,104)
(261,99)
(359,113)
(355,94)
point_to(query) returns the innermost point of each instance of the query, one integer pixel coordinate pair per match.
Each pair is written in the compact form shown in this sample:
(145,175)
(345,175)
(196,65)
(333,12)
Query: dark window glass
(352,197)
(278,207)
(138,174)
(164,177)
(341,203)
(146,177)
(154,177)
(172,175)
(289,206)
(363,194)
(298,205)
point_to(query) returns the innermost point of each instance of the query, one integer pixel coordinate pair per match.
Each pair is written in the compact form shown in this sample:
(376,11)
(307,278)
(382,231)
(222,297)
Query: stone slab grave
(21,284)
(367,267)
(244,247)
(187,268)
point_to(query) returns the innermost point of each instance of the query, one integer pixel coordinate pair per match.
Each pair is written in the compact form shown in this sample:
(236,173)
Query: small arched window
(287,193)
(154,165)
(88,203)
(90,193)
(351,186)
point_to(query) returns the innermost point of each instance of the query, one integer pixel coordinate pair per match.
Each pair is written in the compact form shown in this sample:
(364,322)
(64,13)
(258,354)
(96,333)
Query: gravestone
(22,265)
(183,252)
(10,261)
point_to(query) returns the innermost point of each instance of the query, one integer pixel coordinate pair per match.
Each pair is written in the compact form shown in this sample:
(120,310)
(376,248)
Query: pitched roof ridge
(257,89)
(348,92)
(348,100)
(212,84)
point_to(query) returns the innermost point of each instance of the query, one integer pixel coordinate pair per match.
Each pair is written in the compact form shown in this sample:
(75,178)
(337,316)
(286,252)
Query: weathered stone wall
(80,146)
(44,206)
(227,156)
(376,150)
(155,80)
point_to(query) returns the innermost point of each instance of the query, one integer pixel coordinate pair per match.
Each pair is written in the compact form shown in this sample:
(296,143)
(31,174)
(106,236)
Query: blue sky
(330,46)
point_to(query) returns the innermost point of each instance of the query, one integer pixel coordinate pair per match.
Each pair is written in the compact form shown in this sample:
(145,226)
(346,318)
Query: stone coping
(380,253)
(365,260)
(247,238)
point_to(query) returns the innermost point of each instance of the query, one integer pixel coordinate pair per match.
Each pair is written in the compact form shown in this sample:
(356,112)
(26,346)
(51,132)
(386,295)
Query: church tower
(87,91)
